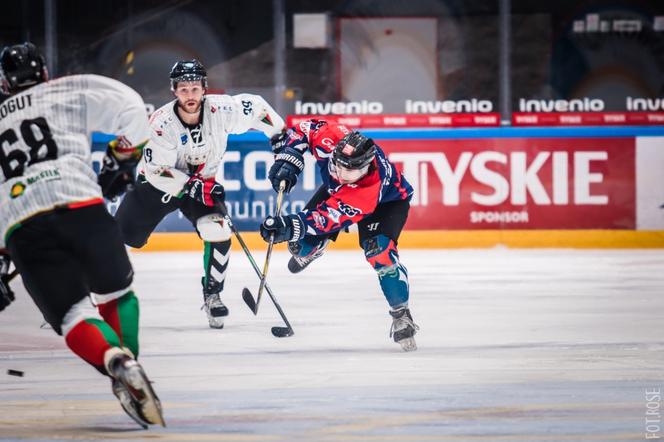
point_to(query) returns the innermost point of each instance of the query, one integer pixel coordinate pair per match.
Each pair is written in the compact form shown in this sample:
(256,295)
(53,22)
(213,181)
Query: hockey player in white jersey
(53,221)
(187,142)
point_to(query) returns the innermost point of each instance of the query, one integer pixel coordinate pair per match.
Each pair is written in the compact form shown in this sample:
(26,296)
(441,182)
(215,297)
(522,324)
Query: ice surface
(515,345)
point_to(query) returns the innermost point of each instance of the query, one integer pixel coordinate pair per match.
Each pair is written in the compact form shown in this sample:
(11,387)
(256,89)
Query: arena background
(518,123)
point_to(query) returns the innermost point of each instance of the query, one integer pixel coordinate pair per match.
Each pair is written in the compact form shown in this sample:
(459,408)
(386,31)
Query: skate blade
(408,344)
(216,322)
(134,416)
(126,403)
(149,403)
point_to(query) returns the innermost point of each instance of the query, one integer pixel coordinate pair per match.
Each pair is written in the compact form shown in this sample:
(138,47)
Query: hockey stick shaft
(280,199)
(12,275)
(250,257)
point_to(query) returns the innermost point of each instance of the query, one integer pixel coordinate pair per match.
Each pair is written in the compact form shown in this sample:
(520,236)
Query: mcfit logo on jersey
(17,190)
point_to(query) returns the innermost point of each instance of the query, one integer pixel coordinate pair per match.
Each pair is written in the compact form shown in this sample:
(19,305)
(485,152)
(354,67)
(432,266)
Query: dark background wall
(137,41)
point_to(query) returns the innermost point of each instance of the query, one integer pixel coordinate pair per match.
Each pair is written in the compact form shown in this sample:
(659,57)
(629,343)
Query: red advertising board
(587,118)
(489,119)
(519,183)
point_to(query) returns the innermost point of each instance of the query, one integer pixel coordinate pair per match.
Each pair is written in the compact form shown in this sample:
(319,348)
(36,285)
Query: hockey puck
(282,332)
(18,373)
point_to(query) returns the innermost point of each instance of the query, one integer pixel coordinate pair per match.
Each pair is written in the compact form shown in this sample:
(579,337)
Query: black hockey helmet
(188,70)
(354,151)
(21,66)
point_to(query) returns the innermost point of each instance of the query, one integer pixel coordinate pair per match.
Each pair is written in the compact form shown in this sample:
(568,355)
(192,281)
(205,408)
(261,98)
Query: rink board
(518,187)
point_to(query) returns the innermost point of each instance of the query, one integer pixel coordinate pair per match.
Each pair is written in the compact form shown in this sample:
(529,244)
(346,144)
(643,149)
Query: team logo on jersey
(17,190)
(349,210)
(183,138)
(319,220)
(334,214)
(197,135)
(265,118)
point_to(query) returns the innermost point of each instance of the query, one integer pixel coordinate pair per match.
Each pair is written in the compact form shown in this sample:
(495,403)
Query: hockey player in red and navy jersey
(360,186)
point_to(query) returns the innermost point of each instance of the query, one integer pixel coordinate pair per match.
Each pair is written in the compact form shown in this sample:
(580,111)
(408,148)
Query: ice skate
(215,309)
(132,388)
(298,263)
(128,404)
(403,328)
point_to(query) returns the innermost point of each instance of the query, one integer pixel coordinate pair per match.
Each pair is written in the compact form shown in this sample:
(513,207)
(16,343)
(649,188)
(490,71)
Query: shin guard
(381,252)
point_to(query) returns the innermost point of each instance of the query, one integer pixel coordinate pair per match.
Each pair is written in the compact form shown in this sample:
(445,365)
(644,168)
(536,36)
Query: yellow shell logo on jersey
(17,190)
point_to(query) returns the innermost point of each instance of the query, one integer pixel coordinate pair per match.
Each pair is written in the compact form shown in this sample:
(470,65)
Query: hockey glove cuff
(278,142)
(284,228)
(122,150)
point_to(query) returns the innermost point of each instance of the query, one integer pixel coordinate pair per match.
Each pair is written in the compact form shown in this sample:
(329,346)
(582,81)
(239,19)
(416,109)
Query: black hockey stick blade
(282,332)
(249,300)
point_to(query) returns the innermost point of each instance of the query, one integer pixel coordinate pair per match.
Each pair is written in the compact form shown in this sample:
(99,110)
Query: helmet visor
(345,175)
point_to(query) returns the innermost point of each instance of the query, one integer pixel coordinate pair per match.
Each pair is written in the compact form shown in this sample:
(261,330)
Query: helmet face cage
(188,70)
(21,66)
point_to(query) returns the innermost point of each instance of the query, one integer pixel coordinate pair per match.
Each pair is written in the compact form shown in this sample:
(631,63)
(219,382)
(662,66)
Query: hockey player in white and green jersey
(188,139)
(53,220)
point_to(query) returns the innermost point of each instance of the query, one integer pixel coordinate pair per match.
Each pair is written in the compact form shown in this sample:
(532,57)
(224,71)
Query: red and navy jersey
(348,203)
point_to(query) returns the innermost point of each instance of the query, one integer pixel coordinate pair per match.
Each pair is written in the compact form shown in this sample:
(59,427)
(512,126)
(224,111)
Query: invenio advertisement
(478,183)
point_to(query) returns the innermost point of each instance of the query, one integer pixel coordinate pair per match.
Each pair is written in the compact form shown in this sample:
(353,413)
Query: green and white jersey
(45,143)
(167,156)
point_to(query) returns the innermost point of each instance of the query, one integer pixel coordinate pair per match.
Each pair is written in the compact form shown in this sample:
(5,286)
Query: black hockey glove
(287,166)
(204,190)
(6,293)
(284,228)
(116,176)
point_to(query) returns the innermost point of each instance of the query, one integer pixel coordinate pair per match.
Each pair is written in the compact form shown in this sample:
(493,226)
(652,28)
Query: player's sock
(90,339)
(87,335)
(381,252)
(122,314)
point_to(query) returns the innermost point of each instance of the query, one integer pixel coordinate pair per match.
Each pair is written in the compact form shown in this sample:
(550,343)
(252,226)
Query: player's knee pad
(308,245)
(213,228)
(381,252)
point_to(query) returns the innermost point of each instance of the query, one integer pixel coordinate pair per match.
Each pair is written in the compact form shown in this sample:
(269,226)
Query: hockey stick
(12,275)
(279,332)
(246,294)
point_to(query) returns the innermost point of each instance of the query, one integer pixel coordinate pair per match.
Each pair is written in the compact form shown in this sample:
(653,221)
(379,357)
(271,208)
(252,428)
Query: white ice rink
(515,345)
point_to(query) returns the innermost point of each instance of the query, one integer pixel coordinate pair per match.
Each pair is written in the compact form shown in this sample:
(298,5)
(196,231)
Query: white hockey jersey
(45,143)
(164,163)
